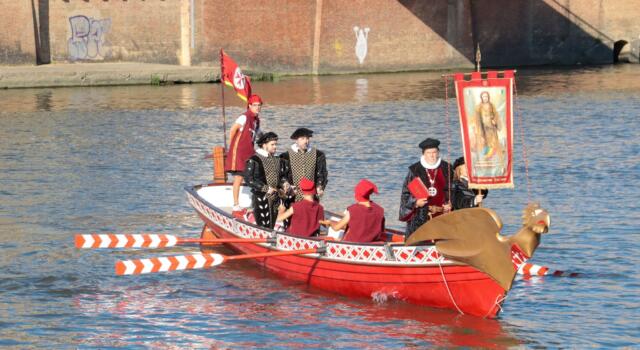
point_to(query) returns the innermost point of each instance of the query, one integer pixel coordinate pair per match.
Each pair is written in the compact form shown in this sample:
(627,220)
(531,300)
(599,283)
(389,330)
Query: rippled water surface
(115,159)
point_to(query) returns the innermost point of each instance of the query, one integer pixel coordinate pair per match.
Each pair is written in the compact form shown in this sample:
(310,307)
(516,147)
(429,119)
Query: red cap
(254,99)
(307,186)
(363,190)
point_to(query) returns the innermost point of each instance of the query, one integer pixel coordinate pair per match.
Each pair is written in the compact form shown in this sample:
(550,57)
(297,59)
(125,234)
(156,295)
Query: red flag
(232,76)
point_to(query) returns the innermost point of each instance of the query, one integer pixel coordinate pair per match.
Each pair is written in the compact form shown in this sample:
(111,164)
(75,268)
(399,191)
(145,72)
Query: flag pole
(224,117)
(478,57)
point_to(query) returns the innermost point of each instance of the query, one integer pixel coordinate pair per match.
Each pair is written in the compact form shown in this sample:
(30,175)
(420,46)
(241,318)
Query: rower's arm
(337,226)
(285,215)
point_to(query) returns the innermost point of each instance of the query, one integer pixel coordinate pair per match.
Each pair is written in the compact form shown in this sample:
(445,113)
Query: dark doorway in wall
(617,49)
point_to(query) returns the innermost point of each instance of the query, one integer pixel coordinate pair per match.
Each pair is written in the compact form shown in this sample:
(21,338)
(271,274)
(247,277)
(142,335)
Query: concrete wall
(319,36)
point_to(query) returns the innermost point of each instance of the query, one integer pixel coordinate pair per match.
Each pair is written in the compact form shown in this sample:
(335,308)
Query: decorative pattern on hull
(379,254)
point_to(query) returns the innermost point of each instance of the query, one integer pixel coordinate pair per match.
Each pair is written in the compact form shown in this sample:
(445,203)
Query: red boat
(417,274)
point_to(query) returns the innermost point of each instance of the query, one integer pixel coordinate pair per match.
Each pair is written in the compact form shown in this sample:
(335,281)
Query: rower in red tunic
(364,220)
(243,134)
(306,214)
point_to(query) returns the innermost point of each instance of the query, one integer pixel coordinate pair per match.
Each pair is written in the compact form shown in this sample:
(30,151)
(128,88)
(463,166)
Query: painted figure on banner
(487,129)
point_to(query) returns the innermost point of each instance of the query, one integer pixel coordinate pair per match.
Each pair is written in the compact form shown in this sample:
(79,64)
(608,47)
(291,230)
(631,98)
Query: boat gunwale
(192,190)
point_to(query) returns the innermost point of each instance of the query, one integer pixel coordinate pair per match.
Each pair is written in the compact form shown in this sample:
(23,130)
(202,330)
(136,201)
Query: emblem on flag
(232,76)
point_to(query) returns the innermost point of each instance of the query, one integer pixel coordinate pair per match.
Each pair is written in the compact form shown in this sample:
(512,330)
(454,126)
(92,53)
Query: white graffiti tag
(361,42)
(88,40)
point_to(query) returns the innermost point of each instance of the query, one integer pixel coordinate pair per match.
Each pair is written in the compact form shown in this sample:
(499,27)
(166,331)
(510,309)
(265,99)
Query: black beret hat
(301,132)
(429,143)
(267,137)
(458,162)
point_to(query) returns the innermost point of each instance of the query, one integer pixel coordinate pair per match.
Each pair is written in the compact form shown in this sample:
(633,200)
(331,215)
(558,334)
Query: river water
(116,159)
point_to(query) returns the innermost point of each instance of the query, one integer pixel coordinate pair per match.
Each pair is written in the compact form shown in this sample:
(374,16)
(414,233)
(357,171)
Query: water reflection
(116,159)
(282,312)
(312,90)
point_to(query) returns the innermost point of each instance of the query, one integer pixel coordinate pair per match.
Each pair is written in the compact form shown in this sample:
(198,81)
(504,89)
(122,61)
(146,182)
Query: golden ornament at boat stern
(472,236)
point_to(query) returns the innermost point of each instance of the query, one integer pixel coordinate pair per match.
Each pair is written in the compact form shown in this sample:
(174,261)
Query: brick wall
(17,36)
(318,36)
(270,35)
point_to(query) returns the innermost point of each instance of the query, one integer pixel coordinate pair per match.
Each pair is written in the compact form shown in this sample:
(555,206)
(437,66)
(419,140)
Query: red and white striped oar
(529,270)
(111,240)
(195,261)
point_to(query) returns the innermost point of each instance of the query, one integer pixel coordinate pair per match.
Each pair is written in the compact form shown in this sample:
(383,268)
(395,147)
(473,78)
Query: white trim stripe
(88,241)
(148,265)
(217,259)
(138,240)
(155,241)
(130,267)
(122,241)
(182,262)
(165,264)
(104,241)
(171,240)
(200,261)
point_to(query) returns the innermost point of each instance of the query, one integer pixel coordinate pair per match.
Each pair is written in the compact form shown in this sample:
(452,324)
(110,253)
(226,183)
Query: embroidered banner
(232,76)
(486,123)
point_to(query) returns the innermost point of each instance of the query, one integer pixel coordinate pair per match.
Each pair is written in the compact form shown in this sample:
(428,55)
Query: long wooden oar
(195,261)
(96,241)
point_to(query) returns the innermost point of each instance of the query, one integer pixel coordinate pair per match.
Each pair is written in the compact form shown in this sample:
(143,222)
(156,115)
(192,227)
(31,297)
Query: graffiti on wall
(88,38)
(361,42)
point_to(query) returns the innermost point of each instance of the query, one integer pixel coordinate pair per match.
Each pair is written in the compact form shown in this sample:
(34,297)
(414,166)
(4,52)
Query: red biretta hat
(254,99)
(307,186)
(363,190)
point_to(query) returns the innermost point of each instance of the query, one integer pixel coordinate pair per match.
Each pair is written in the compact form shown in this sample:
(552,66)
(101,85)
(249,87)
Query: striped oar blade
(96,241)
(169,263)
(110,240)
(528,269)
(196,261)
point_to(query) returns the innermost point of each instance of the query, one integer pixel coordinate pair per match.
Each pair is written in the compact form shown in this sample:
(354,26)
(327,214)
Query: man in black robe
(264,177)
(437,176)
(302,161)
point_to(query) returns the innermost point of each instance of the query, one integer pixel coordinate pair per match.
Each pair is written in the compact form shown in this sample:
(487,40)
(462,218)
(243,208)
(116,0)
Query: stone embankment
(103,74)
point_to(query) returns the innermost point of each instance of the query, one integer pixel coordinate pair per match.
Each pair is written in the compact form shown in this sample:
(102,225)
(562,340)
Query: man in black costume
(301,161)
(437,175)
(264,177)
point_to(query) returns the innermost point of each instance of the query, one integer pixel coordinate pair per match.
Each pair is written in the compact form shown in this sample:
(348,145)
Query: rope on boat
(497,303)
(448,290)
(448,124)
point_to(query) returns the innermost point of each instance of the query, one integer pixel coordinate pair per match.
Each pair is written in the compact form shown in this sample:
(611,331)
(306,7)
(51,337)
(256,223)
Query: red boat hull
(452,286)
